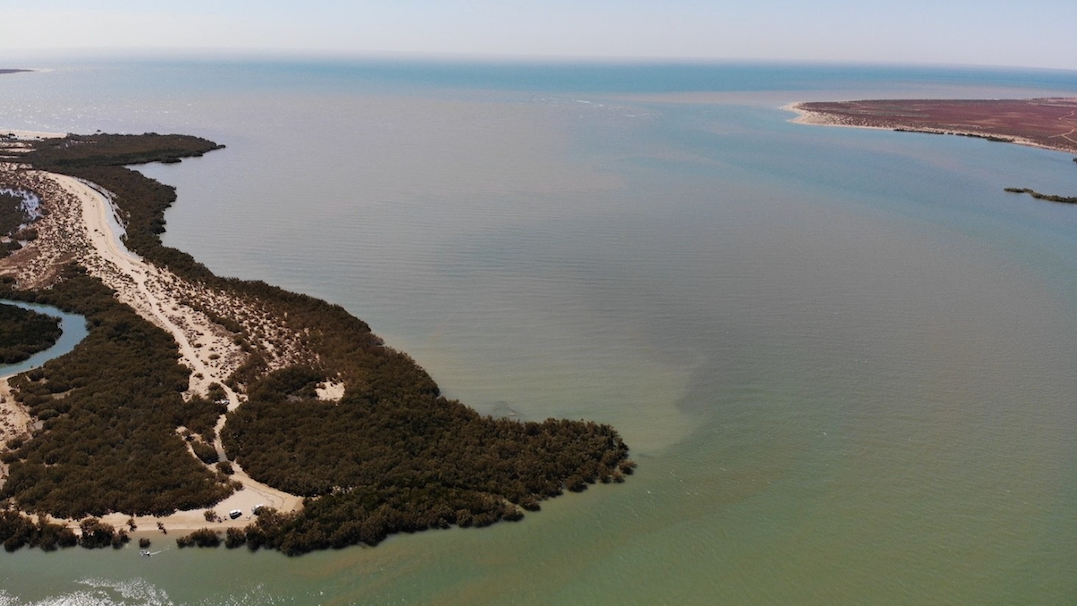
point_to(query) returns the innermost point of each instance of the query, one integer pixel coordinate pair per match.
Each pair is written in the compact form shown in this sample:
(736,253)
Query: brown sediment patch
(1049,123)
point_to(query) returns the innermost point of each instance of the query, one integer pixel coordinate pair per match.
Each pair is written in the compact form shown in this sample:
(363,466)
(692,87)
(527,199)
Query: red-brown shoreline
(1049,123)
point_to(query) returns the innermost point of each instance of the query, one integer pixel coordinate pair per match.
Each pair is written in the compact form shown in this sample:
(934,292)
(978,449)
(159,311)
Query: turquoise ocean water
(844,359)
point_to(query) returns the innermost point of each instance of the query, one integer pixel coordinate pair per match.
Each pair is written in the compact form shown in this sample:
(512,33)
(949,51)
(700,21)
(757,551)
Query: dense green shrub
(97,534)
(12,214)
(109,407)
(200,538)
(24,333)
(17,531)
(1037,195)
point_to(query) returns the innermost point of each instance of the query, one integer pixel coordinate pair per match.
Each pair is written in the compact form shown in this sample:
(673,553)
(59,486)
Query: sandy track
(152,301)
(14,420)
(81,225)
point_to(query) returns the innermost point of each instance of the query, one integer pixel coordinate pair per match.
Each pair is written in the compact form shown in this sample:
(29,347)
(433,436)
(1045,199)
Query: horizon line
(266,53)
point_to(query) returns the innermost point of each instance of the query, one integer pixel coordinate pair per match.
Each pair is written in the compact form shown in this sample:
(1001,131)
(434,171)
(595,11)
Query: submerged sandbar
(1049,123)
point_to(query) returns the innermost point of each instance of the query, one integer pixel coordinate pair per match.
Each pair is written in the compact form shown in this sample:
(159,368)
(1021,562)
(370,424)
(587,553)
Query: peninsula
(1049,123)
(217,405)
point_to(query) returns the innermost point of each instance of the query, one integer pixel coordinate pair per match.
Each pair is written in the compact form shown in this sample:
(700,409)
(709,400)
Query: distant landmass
(1050,123)
(14,71)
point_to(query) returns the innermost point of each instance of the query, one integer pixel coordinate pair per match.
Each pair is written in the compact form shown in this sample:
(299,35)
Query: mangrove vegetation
(109,413)
(23,333)
(1037,195)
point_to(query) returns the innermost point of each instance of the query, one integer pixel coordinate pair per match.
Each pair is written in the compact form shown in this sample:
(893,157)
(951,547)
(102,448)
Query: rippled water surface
(843,359)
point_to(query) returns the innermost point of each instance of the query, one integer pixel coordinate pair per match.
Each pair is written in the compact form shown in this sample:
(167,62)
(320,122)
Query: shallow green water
(843,359)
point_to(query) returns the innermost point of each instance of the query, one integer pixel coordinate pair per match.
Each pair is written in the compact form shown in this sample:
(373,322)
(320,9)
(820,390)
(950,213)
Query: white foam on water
(139,592)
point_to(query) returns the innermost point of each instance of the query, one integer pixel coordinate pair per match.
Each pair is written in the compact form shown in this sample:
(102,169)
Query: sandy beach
(14,143)
(807,116)
(30,135)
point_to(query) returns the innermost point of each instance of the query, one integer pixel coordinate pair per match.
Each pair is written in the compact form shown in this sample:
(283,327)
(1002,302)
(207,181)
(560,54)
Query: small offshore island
(234,409)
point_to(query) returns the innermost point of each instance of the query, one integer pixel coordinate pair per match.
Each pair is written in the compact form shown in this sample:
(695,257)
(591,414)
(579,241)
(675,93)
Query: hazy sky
(1033,33)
